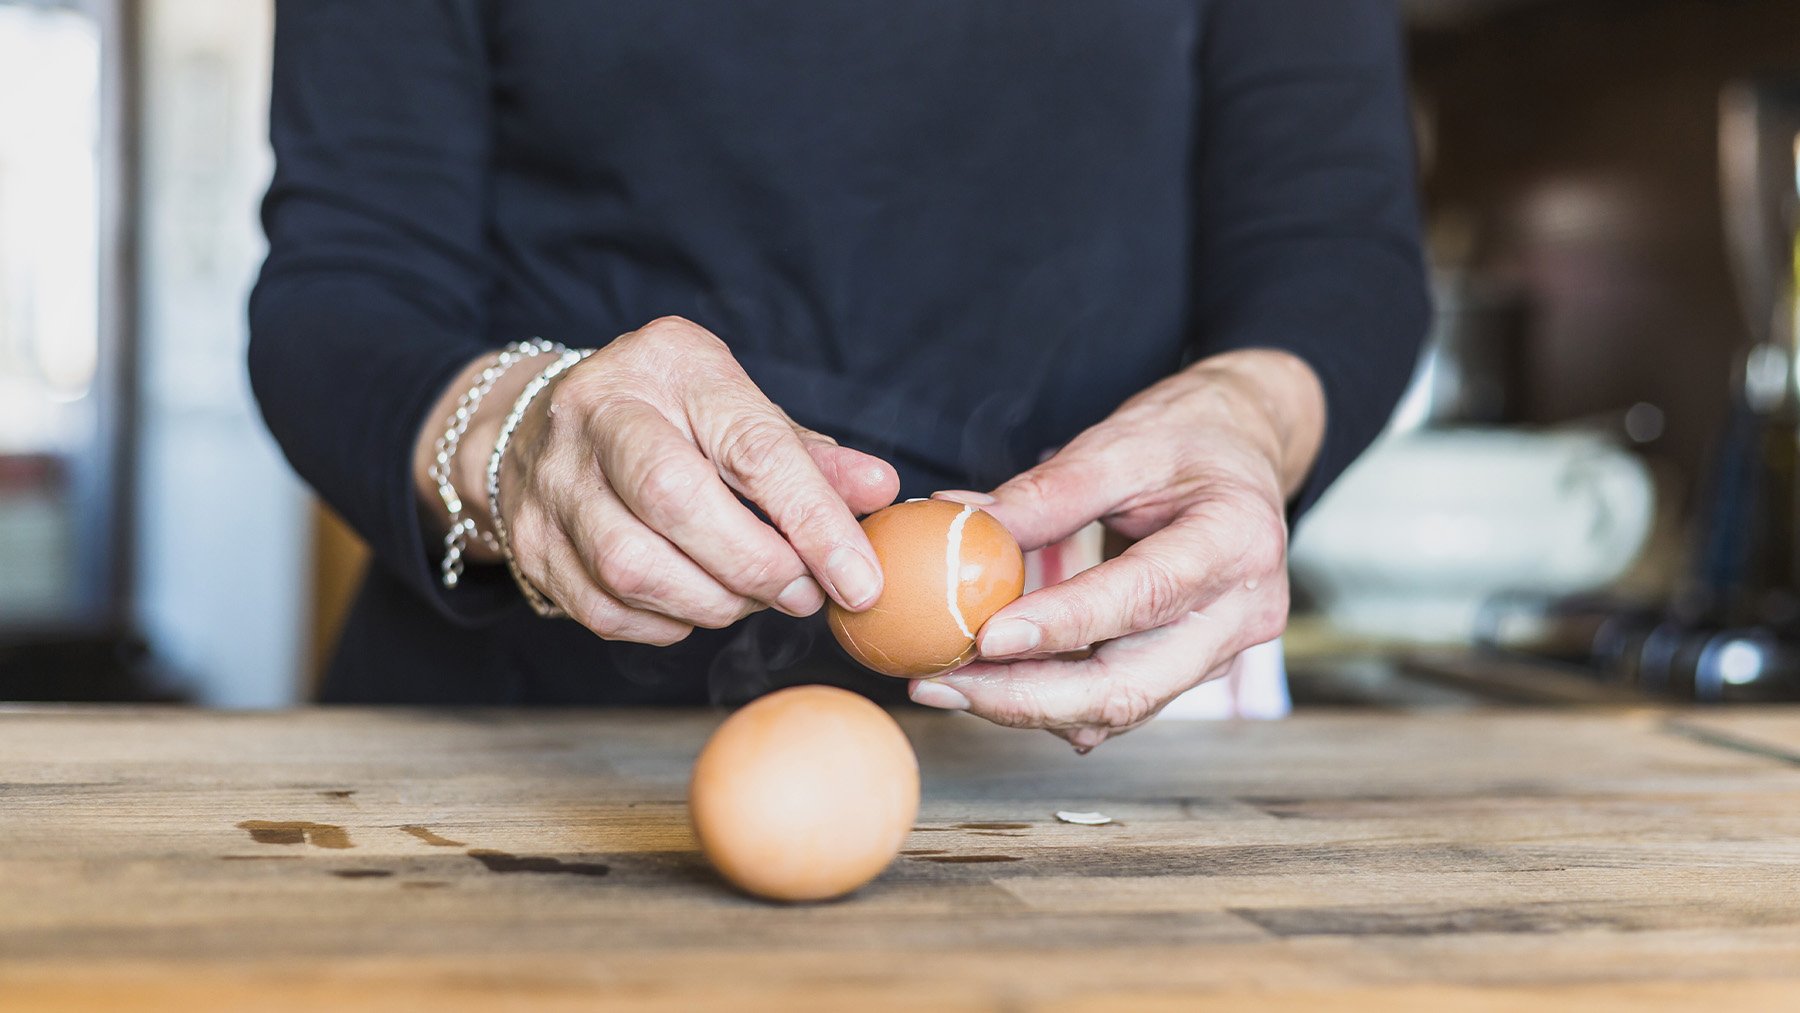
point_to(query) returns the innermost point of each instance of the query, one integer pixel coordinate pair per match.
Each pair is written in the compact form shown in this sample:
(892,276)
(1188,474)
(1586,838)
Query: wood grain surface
(1604,859)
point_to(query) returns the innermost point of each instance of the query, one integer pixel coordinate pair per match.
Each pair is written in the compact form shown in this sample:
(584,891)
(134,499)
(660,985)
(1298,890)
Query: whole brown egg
(946,568)
(804,794)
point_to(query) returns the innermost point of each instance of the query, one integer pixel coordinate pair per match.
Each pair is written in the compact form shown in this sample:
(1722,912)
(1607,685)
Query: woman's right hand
(621,489)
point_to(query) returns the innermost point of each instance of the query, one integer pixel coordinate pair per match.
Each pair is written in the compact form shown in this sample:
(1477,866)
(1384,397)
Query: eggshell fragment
(946,568)
(805,794)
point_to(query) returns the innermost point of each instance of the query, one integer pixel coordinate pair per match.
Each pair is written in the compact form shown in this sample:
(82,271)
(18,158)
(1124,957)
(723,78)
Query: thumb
(1057,498)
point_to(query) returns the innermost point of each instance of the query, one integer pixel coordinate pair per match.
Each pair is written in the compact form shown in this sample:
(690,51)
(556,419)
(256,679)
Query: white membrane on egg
(953,569)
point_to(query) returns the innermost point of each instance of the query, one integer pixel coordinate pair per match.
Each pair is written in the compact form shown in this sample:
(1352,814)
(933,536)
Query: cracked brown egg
(804,794)
(946,568)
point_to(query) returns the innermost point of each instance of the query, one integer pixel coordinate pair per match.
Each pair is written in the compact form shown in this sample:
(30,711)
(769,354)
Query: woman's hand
(621,492)
(1199,469)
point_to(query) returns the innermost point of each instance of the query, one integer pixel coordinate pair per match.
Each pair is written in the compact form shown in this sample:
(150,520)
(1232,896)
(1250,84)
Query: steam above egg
(946,569)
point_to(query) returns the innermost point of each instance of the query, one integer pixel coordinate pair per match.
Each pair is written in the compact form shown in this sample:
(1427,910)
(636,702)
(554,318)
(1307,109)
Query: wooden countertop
(447,860)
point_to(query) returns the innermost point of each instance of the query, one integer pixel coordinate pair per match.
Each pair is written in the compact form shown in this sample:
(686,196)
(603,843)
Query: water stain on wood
(319,835)
(970,859)
(361,873)
(500,861)
(423,884)
(993,826)
(340,793)
(429,837)
(923,851)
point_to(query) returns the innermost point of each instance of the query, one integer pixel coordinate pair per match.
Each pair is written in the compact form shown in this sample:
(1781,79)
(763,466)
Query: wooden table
(1606,859)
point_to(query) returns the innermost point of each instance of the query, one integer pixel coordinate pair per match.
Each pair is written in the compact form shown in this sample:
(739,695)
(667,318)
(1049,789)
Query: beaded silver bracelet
(540,604)
(462,526)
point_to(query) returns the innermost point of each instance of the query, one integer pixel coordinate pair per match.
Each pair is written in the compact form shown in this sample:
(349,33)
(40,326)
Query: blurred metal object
(1759,125)
(1640,647)
(1749,565)
(1472,369)
(1473,363)
(1734,633)
(1572,629)
(1714,665)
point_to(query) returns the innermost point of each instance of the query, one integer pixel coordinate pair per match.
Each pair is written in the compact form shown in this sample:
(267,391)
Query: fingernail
(853,577)
(965,497)
(801,598)
(1010,636)
(932,693)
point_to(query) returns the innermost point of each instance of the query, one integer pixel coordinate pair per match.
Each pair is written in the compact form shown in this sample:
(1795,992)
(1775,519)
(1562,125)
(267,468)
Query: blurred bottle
(1749,566)
(1732,632)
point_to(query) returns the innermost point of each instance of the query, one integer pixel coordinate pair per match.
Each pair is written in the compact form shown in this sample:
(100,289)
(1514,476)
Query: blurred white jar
(1428,525)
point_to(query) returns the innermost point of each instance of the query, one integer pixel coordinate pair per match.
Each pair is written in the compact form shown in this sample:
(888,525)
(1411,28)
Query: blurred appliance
(65,311)
(1733,633)
(1429,526)
(1749,571)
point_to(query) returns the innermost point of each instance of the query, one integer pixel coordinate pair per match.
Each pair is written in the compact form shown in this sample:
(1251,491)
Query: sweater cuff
(1352,327)
(345,394)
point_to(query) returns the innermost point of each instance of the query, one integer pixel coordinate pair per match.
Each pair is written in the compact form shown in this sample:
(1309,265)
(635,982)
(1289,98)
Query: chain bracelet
(462,526)
(540,604)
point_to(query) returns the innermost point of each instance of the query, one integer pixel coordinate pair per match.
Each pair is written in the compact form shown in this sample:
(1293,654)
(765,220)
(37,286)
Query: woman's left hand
(1198,469)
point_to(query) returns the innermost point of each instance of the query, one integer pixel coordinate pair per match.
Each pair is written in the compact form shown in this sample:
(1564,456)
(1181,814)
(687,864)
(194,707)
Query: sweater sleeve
(1308,234)
(373,295)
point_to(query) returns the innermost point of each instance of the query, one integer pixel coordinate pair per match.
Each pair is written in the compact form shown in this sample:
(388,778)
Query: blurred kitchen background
(1590,493)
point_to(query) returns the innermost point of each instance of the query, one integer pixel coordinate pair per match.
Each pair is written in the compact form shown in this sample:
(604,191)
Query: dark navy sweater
(950,232)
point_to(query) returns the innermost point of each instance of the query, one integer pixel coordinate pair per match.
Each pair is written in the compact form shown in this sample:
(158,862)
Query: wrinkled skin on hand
(1198,470)
(621,494)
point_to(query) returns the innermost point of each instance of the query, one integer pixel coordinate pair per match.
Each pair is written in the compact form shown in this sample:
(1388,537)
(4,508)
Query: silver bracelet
(463,527)
(540,604)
